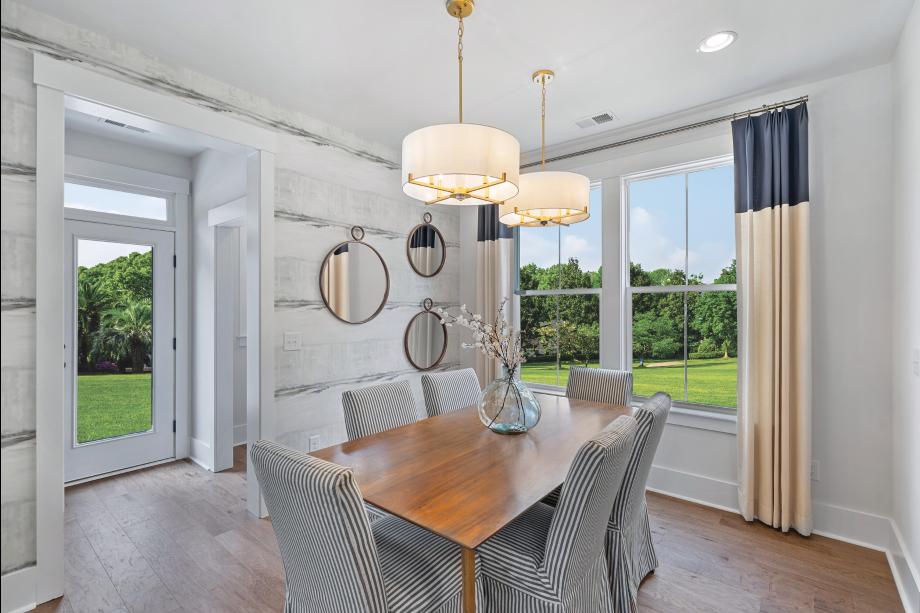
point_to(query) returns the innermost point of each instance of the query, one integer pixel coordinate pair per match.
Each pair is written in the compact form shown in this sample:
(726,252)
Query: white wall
(217,179)
(905,308)
(96,147)
(850,159)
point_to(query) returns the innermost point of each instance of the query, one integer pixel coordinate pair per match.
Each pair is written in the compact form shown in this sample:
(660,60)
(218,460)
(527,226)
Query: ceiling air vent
(126,126)
(596,120)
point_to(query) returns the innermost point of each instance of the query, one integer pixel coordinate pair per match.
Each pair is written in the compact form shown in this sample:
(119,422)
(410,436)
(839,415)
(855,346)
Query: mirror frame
(426,222)
(357,235)
(426,304)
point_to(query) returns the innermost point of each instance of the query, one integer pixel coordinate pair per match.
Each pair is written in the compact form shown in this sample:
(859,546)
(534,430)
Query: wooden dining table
(451,475)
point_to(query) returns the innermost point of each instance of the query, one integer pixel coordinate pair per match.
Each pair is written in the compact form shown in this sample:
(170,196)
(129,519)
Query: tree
(126,331)
(91,302)
(654,336)
(715,315)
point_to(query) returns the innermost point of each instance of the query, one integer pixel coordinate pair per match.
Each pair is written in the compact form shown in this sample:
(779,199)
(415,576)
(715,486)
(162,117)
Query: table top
(451,475)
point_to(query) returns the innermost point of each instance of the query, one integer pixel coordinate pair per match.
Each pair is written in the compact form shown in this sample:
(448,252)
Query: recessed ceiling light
(717,41)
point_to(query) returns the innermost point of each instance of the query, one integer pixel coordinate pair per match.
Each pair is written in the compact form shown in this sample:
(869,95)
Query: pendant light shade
(548,198)
(460,163)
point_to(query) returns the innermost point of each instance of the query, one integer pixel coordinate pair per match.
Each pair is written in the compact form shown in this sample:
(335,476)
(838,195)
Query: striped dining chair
(334,560)
(599,385)
(630,552)
(450,391)
(553,560)
(595,385)
(373,409)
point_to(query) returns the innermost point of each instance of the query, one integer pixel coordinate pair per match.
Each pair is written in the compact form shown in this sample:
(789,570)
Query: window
(110,201)
(559,285)
(681,318)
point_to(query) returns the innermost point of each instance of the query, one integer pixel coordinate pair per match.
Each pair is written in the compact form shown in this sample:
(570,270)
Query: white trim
(702,419)
(231,214)
(118,472)
(18,590)
(145,180)
(49,344)
(54,79)
(200,453)
(699,289)
(260,306)
(700,489)
(171,110)
(239,435)
(574,291)
(906,577)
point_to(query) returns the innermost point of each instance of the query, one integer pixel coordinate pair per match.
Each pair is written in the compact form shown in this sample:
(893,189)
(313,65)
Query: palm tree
(126,331)
(92,300)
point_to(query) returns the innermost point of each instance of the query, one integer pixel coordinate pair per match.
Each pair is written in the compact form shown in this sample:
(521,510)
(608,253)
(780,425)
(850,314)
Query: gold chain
(543,122)
(460,63)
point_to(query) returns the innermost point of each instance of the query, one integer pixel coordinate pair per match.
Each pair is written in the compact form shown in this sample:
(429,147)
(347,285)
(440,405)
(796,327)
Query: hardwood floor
(177,538)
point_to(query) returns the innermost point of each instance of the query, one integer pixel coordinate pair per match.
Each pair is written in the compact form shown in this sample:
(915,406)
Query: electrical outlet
(814,471)
(916,361)
(292,341)
(314,442)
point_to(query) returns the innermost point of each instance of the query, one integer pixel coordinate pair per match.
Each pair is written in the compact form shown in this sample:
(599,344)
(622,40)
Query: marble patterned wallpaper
(326,181)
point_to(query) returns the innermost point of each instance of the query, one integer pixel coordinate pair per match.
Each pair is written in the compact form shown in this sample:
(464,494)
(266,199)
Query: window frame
(578,291)
(627,291)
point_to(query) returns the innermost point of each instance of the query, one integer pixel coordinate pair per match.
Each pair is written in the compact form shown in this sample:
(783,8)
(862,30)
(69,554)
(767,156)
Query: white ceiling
(382,70)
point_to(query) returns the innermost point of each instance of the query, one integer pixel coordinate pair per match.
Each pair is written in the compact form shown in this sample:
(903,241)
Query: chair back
(599,385)
(327,548)
(577,532)
(651,418)
(373,409)
(450,391)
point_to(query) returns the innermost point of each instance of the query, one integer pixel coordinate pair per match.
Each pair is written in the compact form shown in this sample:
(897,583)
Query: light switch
(314,442)
(292,341)
(916,361)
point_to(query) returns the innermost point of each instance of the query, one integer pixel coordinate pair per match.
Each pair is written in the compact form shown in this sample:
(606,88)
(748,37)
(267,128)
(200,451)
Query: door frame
(59,83)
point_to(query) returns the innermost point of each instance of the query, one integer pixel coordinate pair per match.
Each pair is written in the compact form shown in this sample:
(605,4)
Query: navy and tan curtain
(774,318)
(494,275)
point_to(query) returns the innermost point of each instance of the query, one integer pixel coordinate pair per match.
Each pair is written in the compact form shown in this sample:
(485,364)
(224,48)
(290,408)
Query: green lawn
(112,405)
(708,381)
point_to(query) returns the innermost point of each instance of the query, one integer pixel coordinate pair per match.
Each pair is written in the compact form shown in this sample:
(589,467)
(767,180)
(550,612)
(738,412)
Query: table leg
(469,580)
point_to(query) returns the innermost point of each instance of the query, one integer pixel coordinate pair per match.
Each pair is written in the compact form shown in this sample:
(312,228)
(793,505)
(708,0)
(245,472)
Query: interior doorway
(120,383)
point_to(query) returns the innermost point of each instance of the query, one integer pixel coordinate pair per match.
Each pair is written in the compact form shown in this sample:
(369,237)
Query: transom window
(109,201)
(681,310)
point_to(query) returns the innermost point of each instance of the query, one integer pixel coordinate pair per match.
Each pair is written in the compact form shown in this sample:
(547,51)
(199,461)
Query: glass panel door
(121,375)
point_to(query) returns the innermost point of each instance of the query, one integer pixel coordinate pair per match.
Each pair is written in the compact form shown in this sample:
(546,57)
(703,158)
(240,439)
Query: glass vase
(506,406)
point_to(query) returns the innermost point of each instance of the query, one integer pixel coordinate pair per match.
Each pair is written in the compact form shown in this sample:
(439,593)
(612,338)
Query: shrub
(705,355)
(106,366)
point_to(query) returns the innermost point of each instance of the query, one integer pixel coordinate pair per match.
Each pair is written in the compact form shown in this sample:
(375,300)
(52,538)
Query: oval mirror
(354,280)
(426,339)
(425,248)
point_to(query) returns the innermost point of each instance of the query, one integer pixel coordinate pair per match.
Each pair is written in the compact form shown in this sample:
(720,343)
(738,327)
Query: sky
(89,198)
(90,252)
(581,240)
(656,237)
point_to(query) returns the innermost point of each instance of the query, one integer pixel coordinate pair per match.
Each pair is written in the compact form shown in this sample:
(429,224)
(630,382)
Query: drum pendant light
(460,163)
(547,198)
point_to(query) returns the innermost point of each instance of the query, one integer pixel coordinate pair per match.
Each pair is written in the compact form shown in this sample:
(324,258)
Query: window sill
(685,417)
(702,419)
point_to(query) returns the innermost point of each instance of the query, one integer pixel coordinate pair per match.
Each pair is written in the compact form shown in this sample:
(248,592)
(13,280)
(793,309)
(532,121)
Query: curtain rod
(669,131)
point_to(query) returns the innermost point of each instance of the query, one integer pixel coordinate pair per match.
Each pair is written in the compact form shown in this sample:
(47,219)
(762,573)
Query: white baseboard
(200,453)
(851,526)
(239,435)
(18,591)
(906,575)
(692,487)
(832,521)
